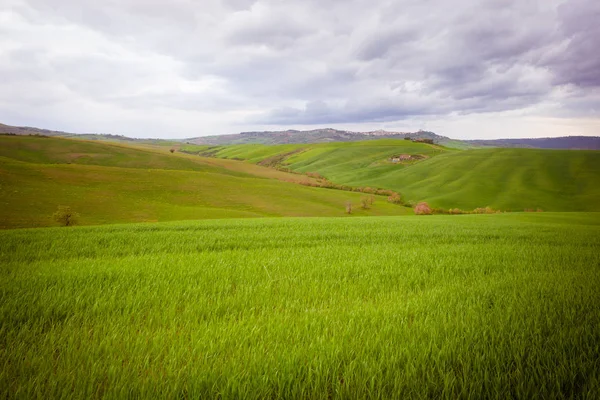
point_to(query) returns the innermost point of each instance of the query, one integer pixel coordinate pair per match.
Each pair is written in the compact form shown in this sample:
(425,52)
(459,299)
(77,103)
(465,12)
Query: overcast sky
(184,68)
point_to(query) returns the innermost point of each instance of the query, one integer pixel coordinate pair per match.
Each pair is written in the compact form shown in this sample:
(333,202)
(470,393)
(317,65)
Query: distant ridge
(27,130)
(313,136)
(564,142)
(325,135)
(334,135)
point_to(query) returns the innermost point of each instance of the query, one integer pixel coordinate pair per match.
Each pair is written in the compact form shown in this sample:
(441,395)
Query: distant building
(401,157)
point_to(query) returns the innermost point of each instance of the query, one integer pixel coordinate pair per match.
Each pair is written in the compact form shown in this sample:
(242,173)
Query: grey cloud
(579,63)
(383,41)
(351,61)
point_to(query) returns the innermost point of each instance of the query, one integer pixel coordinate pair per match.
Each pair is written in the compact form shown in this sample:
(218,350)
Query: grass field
(111,183)
(473,306)
(506,179)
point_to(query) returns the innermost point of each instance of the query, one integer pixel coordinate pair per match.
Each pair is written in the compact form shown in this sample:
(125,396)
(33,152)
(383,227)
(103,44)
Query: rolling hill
(506,179)
(110,183)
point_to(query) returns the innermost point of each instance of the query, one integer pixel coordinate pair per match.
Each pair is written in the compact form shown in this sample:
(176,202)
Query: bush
(422,209)
(172,150)
(486,210)
(364,203)
(65,216)
(395,198)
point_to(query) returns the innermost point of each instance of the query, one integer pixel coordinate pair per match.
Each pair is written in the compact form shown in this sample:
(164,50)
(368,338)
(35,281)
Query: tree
(348,207)
(65,216)
(172,150)
(364,203)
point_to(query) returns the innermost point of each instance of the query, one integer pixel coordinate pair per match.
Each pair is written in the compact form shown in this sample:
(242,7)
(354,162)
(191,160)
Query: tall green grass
(474,306)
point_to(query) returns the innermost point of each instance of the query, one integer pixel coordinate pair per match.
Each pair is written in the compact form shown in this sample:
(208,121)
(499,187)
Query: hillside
(108,183)
(507,179)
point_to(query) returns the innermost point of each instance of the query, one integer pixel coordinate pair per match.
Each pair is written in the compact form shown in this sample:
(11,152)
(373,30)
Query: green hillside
(108,183)
(506,179)
(45,150)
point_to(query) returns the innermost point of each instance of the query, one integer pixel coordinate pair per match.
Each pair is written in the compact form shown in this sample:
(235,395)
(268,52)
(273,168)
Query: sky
(467,69)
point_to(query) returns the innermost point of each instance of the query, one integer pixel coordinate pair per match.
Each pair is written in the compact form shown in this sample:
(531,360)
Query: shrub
(368,190)
(395,198)
(364,203)
(172,150)
(385,192)
(65,216)
(410,203)
(422,209)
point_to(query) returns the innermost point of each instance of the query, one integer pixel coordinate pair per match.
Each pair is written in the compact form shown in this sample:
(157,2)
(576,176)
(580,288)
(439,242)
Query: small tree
(395,198)
(422,209)
(348,207)
(172,150)
(364,203)
(65,216)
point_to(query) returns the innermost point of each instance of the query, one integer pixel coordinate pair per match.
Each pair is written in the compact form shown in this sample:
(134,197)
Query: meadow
(468,306)
(116,183)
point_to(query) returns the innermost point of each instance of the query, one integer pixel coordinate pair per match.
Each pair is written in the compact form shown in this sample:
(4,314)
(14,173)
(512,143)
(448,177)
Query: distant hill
(30,131)
(565,142)
(334,135)
(27,130)
(325,135)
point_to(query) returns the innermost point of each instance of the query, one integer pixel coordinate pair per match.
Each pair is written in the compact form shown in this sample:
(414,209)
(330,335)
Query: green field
(505,179)
(112,183)
(473,306)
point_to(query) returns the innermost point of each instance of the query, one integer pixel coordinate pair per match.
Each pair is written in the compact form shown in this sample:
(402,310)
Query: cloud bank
(185,68)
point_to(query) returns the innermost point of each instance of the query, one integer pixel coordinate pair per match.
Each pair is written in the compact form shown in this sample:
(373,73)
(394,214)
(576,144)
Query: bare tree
(65,216)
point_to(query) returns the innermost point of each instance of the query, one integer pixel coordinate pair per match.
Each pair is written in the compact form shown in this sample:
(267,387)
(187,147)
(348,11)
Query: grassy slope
(475,306)
(508,179)
(133,185)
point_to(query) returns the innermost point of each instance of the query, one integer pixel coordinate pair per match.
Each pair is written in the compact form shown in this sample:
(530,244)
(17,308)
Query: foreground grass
(466,306)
